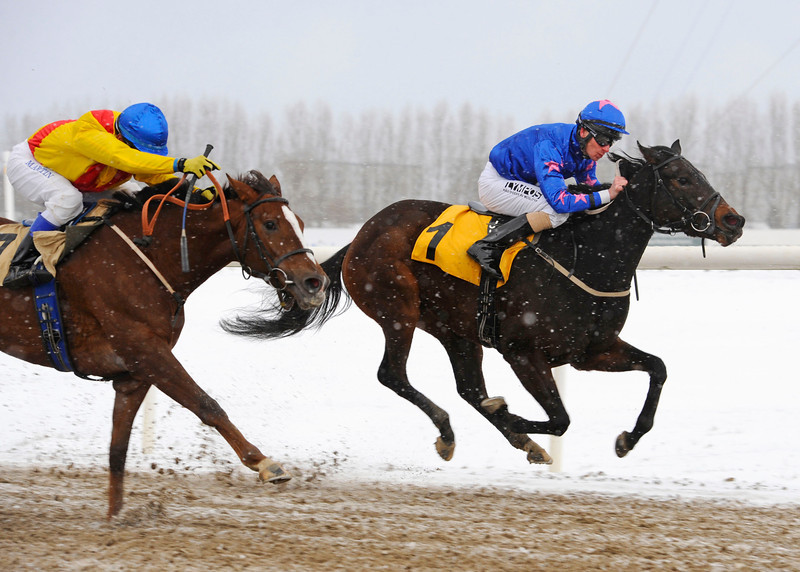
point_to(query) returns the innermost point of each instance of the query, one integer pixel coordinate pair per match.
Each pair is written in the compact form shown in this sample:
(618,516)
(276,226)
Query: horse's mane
(257,181)
(628,165)
(253,178)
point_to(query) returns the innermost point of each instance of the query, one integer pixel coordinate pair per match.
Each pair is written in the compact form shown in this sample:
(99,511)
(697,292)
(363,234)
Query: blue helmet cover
(145,127)
(603,113)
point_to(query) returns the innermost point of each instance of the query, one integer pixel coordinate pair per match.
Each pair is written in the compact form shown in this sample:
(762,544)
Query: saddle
(445,242)
(54,245)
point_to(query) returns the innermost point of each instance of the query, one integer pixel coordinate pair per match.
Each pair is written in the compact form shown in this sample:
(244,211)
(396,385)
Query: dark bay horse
(545,320)
(122,319)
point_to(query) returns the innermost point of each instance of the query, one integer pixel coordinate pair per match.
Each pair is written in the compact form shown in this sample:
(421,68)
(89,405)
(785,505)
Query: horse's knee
(472,395)
(658,372)
(560,424)
(388,378)
(210,412)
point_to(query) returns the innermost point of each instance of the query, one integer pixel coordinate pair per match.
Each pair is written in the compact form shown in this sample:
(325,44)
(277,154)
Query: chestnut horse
(121,319)
(544,319)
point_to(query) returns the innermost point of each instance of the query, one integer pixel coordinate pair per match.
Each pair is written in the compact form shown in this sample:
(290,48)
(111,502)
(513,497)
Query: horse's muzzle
(309,292)
(730,225)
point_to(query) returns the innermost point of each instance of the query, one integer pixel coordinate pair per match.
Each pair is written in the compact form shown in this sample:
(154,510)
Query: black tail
(275,322)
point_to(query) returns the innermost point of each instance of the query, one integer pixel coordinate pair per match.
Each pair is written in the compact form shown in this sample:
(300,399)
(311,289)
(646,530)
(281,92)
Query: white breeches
(61,201)
(514,197)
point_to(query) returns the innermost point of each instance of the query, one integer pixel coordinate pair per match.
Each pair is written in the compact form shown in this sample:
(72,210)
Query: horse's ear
(243,191)
(647,153)
(676,146)
(626,167)
(275,184)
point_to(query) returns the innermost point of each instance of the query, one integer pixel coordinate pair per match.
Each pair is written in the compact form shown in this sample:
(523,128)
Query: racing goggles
(603,138)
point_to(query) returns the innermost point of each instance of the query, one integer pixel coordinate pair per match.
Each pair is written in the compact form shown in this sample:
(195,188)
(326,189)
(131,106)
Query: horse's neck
(610,245)
(206,241)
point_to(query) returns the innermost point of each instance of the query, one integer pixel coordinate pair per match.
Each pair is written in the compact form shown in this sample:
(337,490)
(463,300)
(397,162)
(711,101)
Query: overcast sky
(516,57)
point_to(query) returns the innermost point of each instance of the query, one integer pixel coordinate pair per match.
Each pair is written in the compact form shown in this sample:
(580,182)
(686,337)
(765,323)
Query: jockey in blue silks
(525,177)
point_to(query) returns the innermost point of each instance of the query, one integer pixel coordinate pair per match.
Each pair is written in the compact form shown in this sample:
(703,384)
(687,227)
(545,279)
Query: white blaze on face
(292,218)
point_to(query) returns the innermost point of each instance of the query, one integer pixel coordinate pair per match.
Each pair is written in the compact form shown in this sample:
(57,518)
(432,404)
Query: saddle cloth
(445,242)
(53,245)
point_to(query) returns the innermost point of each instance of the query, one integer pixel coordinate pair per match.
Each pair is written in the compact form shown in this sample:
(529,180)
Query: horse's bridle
(696,218)
(273,266)
(273,270)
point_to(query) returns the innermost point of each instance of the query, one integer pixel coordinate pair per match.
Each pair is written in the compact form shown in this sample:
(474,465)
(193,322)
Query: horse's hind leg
(392,373)
(127,401)
(466,357)
(624,357)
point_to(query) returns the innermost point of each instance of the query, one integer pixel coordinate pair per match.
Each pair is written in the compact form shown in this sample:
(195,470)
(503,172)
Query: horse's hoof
(270,471)
(621,446)
(537,455)
(444,449)
(493,404)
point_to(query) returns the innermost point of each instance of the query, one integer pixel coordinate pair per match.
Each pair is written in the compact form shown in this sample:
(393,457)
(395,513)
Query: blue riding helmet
(144,126)
(603,115)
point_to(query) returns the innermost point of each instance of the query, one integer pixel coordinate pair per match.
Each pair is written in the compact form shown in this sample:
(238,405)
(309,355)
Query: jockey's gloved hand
(196,166)
(208,193)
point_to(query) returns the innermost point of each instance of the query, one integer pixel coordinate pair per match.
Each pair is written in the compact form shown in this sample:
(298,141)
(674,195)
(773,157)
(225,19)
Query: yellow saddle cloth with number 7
(445,242)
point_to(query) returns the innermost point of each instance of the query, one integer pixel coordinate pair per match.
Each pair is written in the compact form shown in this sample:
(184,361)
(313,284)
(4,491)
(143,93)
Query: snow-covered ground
(727,425)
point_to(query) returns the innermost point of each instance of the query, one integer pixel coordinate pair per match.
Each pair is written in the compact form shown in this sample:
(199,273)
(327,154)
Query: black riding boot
(488,251)
(21,272)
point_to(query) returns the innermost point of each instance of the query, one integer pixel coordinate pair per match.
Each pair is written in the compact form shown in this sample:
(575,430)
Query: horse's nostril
(313,284)
(733,221)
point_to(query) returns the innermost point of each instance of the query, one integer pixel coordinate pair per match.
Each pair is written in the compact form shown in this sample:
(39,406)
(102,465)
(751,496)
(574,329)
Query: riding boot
(488,251)
(21,271)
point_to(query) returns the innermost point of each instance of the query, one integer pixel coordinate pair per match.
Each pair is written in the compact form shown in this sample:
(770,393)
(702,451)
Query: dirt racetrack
(54,519)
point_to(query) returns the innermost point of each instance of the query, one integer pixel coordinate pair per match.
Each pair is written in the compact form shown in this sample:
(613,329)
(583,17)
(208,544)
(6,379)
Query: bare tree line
(339,170)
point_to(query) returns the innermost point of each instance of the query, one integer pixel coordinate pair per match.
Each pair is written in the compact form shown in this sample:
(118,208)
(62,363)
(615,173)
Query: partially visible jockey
(99,151)
(525,177)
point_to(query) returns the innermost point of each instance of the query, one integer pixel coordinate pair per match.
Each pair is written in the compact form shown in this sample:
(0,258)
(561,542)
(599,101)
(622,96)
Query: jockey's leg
(20,271)
(488,251)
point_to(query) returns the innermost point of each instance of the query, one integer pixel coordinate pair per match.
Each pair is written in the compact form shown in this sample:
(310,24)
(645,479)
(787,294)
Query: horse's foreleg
(536,376)
(210,413)
(624,357)
(173,381)
(128,399)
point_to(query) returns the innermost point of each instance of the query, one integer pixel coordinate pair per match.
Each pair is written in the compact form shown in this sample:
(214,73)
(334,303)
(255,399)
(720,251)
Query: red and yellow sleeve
(94,137)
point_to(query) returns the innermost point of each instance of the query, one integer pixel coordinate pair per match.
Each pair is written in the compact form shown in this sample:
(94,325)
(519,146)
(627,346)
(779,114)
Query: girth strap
(53,336)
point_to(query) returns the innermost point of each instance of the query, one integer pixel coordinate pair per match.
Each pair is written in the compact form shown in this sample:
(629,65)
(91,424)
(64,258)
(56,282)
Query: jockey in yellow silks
(99,151)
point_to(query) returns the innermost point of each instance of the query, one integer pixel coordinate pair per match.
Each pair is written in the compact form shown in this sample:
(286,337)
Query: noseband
(695,217)
(273,266)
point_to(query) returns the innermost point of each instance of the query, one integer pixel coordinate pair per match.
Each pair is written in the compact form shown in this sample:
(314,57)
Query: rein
(275,276)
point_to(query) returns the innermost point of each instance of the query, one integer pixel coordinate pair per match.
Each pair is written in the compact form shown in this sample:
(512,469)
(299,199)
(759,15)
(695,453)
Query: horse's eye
(270,225)
(683,180)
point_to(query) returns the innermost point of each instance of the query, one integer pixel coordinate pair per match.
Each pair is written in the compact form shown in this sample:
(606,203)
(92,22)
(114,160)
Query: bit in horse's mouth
(286,300)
